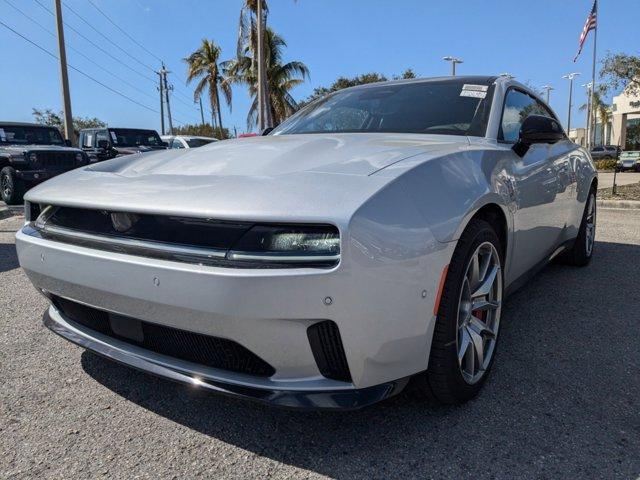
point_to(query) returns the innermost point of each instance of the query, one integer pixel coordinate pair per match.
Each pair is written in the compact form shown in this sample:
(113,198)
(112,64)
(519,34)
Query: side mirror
(67,142)
(538,129)
(103,144)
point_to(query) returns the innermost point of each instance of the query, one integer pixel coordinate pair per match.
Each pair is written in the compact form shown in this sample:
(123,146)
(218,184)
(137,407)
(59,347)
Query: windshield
(197,142)
(129,137)
(28,135)
(449,107)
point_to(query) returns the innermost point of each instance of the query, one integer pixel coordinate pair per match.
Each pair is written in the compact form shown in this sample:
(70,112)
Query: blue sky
(533,40)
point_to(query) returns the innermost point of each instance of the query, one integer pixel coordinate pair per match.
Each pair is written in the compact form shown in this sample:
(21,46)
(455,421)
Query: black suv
(106,143)
(30,154)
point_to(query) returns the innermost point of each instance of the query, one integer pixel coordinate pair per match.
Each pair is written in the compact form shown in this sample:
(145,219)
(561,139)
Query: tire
(582,250)
(446,380)
(11,188)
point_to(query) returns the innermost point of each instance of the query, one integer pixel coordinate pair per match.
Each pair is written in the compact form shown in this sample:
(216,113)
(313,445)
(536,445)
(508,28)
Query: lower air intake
(193,347)
(328,351)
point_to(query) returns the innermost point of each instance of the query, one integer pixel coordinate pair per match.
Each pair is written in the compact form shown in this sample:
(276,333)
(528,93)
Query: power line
(106,38)
(98,46)
(77,69)
(124,31)
(86,57)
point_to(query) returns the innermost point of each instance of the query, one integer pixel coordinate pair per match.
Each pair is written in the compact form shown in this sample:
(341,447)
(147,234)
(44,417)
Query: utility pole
(260,55)
(570,77)
(201,111)
(547,89)
(64,77)
(264,112)
(453,61)
(161,90)
(167,87)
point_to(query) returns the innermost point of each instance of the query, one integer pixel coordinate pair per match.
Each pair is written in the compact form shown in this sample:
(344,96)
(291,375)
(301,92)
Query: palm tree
(203,64)
(601,111)
(281,77)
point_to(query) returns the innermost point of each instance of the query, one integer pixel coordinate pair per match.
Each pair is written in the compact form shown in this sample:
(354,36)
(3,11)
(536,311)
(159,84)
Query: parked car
(30,154)
(106,143)
(371,238)
(187,141)
(605,152)
(629,161)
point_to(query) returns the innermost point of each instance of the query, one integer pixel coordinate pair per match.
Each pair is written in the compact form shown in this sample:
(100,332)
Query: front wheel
(10,186)
(468,319)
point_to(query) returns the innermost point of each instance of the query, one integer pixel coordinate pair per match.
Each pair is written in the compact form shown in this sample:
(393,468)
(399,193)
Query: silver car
(369,240)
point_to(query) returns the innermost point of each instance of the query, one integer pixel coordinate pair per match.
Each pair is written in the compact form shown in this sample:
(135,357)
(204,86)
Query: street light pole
(453,61)
(588,86)
(547,89)
(570,77)
(64,76)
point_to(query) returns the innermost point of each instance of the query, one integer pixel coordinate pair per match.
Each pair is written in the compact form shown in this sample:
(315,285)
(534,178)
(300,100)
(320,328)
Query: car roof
(478,79)
(24,124)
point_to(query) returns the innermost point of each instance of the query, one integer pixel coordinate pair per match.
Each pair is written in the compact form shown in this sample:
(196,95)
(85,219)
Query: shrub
(606,164)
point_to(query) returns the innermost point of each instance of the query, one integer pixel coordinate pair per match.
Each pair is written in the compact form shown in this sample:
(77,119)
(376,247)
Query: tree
(53,119)
(343,82)
(406,75)
(281,78)
(621,71)
(203,64)
(601,110)
(201,130)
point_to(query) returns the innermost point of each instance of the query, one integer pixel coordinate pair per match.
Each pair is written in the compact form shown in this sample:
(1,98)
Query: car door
(539,184)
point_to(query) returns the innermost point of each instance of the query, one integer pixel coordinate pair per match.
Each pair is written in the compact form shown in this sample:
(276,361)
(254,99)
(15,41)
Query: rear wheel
(468,320)
(11,188)
(581,252)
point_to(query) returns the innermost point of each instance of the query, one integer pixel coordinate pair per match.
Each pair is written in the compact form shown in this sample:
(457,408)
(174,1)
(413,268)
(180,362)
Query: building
(625,125)
(579,136)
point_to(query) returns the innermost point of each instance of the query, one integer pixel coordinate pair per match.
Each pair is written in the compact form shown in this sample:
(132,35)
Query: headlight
(33,158)
(317,245)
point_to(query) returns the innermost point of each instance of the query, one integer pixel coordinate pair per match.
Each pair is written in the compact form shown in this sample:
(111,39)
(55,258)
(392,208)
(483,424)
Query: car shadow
(562,399)
(8,257)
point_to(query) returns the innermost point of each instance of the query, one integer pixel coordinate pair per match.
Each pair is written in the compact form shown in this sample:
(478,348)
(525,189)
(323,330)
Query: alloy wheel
(479,309)
(6,186)
(590,224)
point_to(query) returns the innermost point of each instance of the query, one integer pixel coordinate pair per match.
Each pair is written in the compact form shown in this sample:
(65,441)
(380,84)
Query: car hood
(15,149)
(294,177)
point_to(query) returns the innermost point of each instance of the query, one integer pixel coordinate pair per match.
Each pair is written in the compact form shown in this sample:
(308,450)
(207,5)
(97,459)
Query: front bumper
(382,299)
(37,176)
(127,355)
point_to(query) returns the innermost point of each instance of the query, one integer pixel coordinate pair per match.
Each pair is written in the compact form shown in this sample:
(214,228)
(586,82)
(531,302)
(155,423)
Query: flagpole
(592,116)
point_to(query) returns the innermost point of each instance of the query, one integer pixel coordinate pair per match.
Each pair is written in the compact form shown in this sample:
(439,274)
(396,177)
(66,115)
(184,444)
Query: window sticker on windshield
(114,137)
(476,88)
(473,93)
(3,137)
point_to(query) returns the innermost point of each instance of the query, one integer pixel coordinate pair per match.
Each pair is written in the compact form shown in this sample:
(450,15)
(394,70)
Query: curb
(6,212)
(626,204)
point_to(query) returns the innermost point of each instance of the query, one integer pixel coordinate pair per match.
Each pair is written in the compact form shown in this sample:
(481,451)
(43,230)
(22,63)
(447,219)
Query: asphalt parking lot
(563,400)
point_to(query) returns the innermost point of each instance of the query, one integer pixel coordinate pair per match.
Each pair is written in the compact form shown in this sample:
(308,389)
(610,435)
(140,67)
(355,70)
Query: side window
(176,143)
(87,140)
(598,149)
(518,106)
(102,135)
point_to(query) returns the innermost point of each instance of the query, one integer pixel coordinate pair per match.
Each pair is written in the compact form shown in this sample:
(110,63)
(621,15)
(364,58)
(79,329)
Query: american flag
(590,24)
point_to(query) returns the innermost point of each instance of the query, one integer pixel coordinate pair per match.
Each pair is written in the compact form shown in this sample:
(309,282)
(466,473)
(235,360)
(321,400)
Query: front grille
(57,160)
(193,347)
(328,351)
